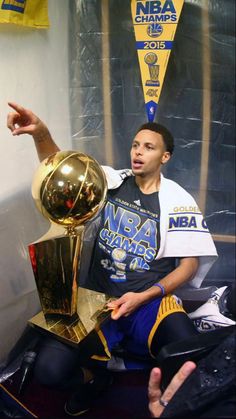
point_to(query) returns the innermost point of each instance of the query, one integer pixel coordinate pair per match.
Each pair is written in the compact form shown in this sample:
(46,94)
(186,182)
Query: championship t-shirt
(128,241)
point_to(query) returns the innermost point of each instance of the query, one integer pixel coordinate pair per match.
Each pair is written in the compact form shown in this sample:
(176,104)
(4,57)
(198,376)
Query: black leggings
(59,365)
(176,326)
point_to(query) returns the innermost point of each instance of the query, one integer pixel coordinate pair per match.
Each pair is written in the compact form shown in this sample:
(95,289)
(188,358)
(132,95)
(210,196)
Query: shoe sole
(77,413)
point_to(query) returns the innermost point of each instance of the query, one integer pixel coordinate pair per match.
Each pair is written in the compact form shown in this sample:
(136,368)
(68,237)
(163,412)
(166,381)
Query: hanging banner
(155,24)
(33,13)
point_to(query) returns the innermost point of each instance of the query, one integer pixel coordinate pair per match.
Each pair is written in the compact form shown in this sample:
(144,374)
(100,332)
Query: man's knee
(47,373)
(55,363)
(174,327)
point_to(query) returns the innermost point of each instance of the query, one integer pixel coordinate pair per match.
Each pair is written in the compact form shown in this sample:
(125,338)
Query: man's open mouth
(137,164)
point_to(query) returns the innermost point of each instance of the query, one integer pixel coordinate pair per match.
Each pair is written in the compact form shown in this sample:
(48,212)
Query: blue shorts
(135,332)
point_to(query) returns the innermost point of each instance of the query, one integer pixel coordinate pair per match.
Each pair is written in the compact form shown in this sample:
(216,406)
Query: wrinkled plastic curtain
(196,104)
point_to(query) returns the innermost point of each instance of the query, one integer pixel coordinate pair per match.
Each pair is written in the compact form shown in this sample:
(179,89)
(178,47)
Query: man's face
(148,153)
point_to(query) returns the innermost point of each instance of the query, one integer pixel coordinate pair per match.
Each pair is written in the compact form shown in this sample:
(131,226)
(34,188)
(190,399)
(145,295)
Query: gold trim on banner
(206,107)
(106,83)
(224,238)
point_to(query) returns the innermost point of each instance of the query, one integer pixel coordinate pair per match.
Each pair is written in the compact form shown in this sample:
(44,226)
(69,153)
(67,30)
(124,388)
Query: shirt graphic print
(129,239)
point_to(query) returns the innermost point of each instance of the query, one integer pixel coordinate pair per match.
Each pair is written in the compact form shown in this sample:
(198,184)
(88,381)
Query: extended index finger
(18,108)
(179,378)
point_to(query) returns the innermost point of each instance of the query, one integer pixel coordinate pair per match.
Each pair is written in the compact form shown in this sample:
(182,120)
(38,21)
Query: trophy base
(91,312)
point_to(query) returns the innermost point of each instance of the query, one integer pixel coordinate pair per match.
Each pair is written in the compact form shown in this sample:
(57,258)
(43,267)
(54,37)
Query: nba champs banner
(155,24)
(32,13)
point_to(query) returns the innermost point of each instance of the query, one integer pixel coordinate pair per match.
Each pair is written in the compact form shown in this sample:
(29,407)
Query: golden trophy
(151,60)
(69,188)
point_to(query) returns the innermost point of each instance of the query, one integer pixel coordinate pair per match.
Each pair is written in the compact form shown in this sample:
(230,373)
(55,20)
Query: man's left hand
(125,305)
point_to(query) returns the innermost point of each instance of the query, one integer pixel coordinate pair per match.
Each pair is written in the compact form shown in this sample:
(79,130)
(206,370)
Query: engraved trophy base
(91,312)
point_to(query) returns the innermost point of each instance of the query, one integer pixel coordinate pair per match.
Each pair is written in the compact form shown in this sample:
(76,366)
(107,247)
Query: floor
(125,399)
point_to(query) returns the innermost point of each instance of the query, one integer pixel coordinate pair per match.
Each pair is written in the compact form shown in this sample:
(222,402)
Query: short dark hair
(165,133)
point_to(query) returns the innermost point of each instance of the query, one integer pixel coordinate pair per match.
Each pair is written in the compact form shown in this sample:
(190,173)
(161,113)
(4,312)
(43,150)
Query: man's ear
(166,157)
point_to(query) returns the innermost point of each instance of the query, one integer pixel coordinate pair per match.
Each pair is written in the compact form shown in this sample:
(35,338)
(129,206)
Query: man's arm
(130,301)
(23,121)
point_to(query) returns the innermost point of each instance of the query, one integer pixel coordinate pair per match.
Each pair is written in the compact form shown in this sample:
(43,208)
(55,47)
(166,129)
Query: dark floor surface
(126,398)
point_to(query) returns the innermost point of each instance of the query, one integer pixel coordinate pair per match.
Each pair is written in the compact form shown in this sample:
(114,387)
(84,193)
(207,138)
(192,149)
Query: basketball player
(152,239)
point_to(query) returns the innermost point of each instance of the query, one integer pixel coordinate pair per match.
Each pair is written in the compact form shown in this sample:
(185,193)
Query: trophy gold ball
(150,58)
(69,188)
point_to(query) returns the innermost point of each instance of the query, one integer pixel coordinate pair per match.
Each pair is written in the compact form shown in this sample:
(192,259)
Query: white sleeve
(115,177)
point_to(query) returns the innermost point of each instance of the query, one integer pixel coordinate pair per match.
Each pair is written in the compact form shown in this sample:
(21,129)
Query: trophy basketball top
(69,188)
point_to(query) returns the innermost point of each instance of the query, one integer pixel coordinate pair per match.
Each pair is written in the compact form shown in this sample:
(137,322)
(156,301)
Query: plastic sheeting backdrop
(196,104)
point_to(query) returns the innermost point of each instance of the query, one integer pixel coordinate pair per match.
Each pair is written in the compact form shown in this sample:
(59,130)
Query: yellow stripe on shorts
(106,357)
(168,306)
